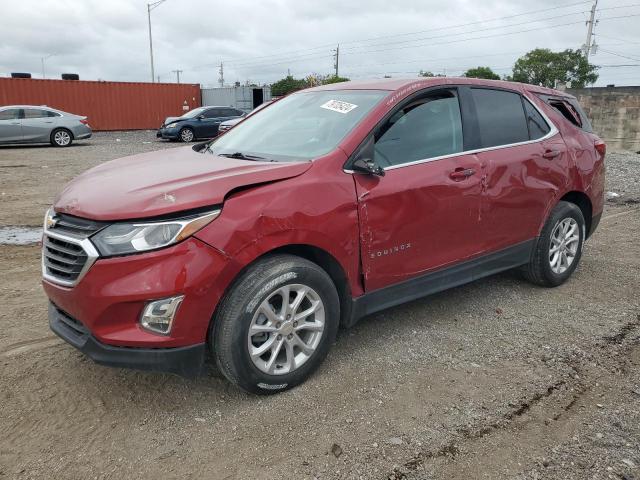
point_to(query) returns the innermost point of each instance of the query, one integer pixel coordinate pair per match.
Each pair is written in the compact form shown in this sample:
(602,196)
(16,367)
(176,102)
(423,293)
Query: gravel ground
(497,379)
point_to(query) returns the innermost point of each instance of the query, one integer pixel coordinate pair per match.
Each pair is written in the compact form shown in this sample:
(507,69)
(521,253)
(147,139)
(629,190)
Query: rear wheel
(276,325)
(61,137)
(559,247)
(187,135)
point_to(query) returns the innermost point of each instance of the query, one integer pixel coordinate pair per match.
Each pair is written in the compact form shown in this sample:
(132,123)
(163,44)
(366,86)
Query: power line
(448,27)
(350,51)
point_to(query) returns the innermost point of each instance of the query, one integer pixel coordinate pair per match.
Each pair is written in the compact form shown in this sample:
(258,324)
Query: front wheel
(186,135)
(276,325)
(559,247)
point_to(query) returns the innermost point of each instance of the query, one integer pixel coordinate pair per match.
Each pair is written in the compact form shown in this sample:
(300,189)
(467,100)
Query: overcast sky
(260,40)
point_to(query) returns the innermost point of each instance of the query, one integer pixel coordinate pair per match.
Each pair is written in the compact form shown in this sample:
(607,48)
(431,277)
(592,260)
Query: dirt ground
(493,380)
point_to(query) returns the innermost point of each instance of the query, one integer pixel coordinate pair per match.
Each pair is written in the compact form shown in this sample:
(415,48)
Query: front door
(10,125)
(424,213)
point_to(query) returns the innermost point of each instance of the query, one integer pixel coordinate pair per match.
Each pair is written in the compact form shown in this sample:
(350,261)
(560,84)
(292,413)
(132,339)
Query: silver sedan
(31,124)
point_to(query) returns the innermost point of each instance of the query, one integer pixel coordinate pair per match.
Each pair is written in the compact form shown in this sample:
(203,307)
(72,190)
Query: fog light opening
(157,316)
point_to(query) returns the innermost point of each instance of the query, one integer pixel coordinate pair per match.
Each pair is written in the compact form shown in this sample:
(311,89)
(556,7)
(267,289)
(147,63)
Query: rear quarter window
(570,109)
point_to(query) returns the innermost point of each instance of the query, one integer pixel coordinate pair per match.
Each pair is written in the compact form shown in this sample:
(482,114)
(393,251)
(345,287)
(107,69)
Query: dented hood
(163,182)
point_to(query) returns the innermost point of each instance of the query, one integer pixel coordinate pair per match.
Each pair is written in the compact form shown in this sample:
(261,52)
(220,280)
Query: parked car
(226,125)
(201,122)
(333,203)
(31,124)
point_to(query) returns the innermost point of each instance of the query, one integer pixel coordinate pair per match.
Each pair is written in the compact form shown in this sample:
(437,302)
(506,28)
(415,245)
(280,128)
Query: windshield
(194,113)
(301,126)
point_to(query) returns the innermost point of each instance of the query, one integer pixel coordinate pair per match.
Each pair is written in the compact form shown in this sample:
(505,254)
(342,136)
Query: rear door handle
(551,154)
(461,173)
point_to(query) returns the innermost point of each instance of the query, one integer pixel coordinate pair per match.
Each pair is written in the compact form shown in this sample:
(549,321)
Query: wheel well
(584,203)
(62,128)
(329,264)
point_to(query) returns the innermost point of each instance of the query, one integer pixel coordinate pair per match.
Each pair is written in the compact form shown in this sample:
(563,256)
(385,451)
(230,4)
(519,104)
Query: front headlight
(171,125)
(125,238)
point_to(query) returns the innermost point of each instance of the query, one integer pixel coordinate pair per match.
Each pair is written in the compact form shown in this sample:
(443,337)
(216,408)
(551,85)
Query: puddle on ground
(20,235)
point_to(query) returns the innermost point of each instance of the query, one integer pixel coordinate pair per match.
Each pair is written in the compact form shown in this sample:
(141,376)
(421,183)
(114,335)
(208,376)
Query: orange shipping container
(108,105)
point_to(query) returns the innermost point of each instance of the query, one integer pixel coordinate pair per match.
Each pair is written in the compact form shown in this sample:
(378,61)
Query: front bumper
(168,133)
(185,361)
(111,296)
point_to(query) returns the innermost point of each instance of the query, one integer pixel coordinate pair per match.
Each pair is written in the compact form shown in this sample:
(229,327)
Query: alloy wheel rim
(565,240)
(62,138)
(286,329)
(187,135)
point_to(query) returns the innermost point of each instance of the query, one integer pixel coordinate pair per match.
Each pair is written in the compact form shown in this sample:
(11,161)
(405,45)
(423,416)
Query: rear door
(424,213)
(526,165)
(37,125)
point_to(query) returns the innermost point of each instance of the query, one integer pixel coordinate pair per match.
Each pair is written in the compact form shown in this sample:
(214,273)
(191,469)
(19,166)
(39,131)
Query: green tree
(481,72)
(427,73)
(287,85)
(334,79)
(544,67)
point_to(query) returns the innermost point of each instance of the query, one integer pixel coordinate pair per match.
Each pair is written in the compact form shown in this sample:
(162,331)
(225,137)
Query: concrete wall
(614,113)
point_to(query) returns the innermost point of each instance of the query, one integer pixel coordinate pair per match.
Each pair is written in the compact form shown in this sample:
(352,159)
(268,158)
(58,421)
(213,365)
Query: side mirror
(200,117)
(364,162)
(368,167)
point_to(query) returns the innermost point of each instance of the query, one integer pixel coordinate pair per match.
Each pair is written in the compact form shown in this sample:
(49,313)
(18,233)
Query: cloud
(261,40)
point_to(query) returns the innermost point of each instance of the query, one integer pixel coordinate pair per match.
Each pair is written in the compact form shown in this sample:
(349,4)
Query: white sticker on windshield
(338,106)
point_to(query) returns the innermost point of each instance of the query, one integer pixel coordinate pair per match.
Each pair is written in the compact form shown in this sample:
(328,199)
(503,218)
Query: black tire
(61,137)
(539,270)
(186,135)
(233,319)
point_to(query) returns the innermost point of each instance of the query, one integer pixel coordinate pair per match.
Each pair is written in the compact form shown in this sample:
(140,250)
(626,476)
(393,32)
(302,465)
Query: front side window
(213,113)
(426,128)
(10,114)
(301,126)
(501,118)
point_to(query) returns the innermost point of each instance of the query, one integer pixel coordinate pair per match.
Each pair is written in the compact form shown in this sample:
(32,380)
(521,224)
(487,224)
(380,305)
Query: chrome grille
(67,252)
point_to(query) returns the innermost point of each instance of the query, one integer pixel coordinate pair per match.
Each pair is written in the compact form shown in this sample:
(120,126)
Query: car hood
(168,120)
(233,121)
(164,182)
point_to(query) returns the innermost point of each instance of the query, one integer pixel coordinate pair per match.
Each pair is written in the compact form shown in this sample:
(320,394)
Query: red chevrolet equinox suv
(328,205)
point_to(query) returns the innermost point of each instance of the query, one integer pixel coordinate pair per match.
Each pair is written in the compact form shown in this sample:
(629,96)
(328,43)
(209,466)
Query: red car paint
(379,230)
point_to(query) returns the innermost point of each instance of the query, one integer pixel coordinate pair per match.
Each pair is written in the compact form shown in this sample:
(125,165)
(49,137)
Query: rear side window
(52,114)
(501,117)
(35,113)
(538,127)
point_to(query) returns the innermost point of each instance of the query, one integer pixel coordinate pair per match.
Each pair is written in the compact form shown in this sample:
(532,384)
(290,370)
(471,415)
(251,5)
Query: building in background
(245,98)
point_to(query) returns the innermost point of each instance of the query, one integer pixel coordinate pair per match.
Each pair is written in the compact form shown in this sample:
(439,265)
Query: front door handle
(461,173)
(551,154)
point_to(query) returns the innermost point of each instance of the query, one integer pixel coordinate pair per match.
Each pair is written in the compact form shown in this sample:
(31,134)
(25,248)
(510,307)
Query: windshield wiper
(242,156)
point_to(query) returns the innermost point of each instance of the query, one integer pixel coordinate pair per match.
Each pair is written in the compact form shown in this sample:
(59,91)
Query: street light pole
(151,6)
(42,59)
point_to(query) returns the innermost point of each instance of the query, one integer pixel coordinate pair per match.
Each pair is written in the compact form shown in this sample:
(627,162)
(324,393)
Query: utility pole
(177,72)
(151,6)
(221,71)
(336,56)
(591,23)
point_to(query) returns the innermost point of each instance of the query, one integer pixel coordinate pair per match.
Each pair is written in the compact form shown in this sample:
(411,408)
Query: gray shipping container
(243,97)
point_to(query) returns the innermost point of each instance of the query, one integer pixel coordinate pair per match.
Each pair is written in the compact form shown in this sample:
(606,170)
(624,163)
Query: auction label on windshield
(338,106)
